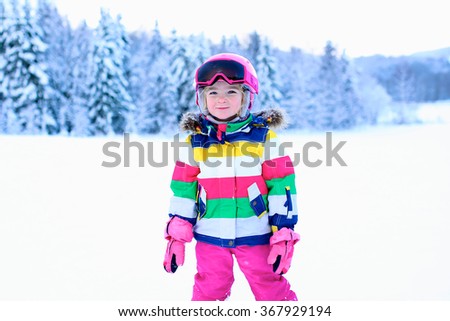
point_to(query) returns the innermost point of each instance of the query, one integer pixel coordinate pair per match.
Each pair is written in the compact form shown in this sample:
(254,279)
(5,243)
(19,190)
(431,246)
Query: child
(233,192)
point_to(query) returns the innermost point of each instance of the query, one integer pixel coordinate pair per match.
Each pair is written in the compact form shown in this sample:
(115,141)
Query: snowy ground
(378,229)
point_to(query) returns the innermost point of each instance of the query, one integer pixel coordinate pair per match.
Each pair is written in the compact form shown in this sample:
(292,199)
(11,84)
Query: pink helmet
(232,68)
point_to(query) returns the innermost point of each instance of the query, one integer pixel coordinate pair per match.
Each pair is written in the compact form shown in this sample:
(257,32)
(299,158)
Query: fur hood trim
(275,118)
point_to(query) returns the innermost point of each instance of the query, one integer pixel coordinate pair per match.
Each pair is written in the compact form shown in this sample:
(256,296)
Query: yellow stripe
(262,214)
(271,135)
(229,150)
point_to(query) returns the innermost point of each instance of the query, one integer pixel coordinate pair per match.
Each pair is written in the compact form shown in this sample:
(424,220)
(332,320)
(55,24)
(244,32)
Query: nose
(222,96)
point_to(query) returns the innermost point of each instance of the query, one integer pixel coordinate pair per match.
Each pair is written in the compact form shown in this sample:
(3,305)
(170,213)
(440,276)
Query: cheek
(209,102)
(240,100)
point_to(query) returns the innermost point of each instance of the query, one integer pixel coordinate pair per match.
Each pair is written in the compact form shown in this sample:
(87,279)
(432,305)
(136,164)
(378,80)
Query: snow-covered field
(377,229)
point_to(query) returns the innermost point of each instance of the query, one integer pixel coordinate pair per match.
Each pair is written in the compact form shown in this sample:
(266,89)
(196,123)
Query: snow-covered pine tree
(348,113)
(123,41)
(228,44)
(140,64)
(335,104)
(81,56)
(181,74)
(298,71)
(266,65)
(374,99)
(3,22)
(162,116)
(110,101)
(328,90)
(25,82)
(404,89)
(151,90)
(57,37)
(160,95)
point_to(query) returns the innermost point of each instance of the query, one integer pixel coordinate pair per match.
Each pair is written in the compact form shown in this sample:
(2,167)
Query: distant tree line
(59,80)
(427,75)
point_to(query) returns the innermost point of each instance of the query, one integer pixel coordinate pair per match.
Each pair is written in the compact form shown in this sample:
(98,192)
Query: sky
(360,28)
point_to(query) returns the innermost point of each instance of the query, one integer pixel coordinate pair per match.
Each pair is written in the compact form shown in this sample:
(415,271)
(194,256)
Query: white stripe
(183,152)
(183,207)
(253,226)
(230,228)
(217,227)
(272,149)
(276,205)
(230,167)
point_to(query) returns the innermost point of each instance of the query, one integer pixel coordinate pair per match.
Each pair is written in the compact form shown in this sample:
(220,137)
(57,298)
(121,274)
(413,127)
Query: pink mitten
(178,232)
(282,249)
(174,256)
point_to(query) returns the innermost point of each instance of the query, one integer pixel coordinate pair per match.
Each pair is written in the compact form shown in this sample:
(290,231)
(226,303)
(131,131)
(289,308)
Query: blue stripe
(255,135)
(193,221)
(231,243)
(281,220)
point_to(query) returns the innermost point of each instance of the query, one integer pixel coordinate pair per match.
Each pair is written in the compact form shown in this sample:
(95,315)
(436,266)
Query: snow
(377,229)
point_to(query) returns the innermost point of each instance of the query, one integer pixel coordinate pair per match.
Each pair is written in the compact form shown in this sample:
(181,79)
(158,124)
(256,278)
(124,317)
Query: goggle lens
(231,70)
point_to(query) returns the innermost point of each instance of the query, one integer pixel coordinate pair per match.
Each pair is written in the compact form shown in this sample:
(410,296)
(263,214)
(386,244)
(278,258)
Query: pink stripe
(277,168)
(224,187)
(185,173)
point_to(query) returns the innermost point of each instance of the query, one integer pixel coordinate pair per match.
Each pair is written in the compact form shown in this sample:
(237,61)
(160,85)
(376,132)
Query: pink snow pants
(214,276)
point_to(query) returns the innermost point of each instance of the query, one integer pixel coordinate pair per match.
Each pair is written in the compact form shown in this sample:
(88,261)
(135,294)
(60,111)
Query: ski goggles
(231,71)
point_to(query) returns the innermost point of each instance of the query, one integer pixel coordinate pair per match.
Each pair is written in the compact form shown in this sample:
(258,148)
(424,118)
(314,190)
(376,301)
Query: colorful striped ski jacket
(232,183)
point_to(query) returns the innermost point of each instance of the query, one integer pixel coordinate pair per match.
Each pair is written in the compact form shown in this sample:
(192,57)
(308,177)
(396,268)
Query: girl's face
(223,100)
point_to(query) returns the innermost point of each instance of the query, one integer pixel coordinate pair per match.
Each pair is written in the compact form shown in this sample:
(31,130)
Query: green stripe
(277,186)
(230,208)
(184,189)
(232,127)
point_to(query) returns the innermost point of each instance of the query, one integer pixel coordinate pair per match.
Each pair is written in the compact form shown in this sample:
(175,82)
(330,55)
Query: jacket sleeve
(278,173)
(184,186)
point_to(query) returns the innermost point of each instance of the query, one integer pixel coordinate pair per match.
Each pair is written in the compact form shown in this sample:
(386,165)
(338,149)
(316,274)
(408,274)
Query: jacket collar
(274,118)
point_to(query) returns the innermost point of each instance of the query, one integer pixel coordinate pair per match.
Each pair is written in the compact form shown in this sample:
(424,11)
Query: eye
(232,92)
(212,93)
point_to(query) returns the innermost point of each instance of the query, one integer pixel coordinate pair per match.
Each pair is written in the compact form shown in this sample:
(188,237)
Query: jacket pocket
(256,200)
(201,201)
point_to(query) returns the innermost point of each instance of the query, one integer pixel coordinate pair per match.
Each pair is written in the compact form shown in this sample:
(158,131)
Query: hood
(274,118)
